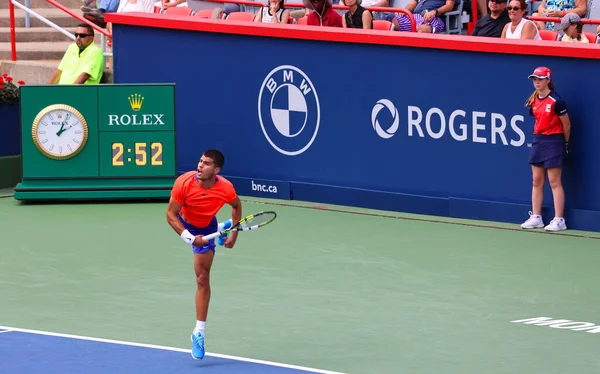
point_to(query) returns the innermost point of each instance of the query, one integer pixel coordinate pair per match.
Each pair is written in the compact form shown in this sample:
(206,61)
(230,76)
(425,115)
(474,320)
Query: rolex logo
(135,101)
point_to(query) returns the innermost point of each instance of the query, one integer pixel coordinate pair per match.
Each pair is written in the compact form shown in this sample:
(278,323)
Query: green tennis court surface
(374,292)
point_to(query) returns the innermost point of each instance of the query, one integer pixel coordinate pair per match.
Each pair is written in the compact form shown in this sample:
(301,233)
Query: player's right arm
(175,205)
(172,216)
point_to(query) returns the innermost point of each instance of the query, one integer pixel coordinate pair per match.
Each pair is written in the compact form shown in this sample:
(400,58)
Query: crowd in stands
(83,61)
(503,18)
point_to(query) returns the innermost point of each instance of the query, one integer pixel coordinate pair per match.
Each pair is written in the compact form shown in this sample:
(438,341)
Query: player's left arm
(560,108)
(236,216)
(566,122)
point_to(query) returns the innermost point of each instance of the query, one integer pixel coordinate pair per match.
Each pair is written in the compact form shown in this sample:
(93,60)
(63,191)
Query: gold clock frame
(51,108)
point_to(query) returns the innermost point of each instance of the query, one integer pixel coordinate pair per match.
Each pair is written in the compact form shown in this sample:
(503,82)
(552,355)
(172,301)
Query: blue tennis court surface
(28,351)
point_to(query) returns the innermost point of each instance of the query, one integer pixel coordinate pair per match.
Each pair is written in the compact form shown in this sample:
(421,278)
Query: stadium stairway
(39,47)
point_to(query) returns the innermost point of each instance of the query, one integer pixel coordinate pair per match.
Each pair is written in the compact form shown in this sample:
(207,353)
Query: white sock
(200,327)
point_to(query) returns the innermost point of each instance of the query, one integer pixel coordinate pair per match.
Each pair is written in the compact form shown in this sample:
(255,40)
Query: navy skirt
(548,151)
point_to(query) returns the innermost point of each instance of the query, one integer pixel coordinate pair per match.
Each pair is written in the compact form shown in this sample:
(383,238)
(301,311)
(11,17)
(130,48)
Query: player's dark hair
(216,156)
(89,28)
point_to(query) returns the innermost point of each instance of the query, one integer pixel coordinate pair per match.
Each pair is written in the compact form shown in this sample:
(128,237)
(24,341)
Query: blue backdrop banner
(389,127)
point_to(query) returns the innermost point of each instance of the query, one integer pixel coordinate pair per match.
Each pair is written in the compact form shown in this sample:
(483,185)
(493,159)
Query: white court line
(5,331)
(218,355)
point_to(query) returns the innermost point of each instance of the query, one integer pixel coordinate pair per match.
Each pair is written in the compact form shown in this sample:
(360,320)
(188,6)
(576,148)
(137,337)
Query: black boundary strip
(97,189)
(335,210)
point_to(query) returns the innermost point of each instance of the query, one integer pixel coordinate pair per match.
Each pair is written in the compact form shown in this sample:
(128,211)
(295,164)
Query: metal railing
(558,19)
(104,35)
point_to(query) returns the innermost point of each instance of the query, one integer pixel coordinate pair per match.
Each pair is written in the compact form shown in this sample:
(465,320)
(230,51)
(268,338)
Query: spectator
(166,4)
(357,17)
(573,27)
(493,24)
(97,15)
(426,14)
(274,12)
(83,61)
(322,14)
(482,8)
(143,6)
(520,27)
(551,133)
(559,8)
(388,16)
(88,5)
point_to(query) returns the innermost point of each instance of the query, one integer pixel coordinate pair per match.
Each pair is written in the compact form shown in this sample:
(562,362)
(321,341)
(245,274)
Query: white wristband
(187,237)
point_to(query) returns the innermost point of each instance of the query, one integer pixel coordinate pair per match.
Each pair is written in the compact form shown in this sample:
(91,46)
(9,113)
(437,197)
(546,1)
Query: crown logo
(59,116)
(135,101)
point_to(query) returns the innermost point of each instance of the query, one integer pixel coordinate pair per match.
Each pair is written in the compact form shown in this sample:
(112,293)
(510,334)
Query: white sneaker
(533,222)
(557,224)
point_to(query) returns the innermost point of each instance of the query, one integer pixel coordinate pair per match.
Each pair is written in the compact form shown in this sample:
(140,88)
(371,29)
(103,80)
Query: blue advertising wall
(398,128)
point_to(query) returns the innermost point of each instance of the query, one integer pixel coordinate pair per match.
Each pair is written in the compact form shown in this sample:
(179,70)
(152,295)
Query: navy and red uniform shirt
(546,112)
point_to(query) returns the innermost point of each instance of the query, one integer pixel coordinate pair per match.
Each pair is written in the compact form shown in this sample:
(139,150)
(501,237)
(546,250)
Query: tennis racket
(251,222)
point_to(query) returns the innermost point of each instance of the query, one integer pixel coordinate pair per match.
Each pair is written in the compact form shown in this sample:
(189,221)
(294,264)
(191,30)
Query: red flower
(9,90)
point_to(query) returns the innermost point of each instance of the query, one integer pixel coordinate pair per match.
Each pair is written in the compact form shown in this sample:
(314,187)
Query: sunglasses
(77,35)
(498,1)
(515,8)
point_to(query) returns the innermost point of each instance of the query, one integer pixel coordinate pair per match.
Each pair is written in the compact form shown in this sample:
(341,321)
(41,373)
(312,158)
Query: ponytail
(579,27)
(531,99)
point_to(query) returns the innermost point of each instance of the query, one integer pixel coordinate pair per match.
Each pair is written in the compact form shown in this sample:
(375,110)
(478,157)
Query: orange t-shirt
(201,205)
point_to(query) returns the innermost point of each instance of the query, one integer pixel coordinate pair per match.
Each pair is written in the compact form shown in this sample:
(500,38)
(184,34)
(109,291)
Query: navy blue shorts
(548,151)
(212,227)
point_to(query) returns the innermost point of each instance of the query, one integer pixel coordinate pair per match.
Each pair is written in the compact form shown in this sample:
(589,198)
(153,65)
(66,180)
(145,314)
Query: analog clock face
(60,132)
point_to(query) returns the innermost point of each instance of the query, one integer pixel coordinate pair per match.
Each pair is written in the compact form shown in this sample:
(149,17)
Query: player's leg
(202,264)
(537,190)
(554,177)
(537,197)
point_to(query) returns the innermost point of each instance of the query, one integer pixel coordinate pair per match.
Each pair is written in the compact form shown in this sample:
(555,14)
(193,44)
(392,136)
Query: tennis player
(196,198)
(551,131)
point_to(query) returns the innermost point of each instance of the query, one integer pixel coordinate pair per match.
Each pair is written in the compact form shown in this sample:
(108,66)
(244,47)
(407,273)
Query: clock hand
(61,129)
(66,128)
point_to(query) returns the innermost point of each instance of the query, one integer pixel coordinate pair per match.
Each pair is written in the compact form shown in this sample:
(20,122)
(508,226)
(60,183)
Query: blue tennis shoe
(197,346)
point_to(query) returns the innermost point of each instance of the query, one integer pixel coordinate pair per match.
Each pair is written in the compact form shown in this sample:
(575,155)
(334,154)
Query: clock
(59,132)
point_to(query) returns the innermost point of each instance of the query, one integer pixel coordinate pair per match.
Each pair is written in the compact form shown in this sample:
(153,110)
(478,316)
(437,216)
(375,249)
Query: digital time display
(119,155)
(137,154)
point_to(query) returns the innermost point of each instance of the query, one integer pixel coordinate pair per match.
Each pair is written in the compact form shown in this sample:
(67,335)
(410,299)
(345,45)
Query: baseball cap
(568,20)
(541,72)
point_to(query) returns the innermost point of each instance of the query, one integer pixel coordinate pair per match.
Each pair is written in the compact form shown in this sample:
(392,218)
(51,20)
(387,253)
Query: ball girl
(551,134)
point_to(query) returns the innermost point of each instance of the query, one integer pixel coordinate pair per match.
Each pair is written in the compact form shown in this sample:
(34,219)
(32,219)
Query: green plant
(9,91)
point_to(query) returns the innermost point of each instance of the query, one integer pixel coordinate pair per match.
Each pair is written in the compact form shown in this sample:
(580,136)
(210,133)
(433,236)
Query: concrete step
(53,14)
(35,51)
(38,72)
(39,34)
(75,4)
(32,72)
